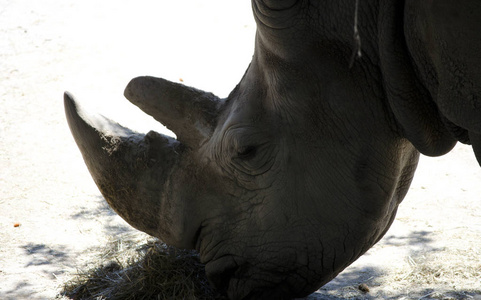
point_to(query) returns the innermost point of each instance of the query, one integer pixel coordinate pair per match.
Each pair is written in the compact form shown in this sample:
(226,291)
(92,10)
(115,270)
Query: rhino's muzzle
(130,169)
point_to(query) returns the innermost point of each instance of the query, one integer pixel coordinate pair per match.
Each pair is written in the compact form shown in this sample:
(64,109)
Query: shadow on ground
(109,218)
(53,261)
(414,238)
(41,254)
(42,260)
(382,284)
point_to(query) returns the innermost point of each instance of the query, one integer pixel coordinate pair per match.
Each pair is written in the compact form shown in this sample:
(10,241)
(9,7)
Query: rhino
(301,169)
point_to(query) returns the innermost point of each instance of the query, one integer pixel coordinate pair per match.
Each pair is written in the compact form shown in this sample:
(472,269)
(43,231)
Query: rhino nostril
(221,280)
(221,271)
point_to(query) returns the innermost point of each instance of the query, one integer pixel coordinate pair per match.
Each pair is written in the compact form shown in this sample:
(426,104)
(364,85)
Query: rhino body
(301,169)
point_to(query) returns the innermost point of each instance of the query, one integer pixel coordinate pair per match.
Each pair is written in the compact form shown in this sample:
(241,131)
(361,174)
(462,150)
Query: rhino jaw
(131,170)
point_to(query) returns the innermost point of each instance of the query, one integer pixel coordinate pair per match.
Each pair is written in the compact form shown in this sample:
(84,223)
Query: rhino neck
(321,37)
(303,28)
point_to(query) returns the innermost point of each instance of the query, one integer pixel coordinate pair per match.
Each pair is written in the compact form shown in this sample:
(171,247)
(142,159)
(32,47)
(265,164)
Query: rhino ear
(442,36)
(410,102)
(190,113)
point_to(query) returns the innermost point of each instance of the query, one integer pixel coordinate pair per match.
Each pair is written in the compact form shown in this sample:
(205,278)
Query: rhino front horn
(129,168)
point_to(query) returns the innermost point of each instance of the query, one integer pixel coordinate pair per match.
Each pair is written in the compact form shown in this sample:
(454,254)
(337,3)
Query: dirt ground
(93,48)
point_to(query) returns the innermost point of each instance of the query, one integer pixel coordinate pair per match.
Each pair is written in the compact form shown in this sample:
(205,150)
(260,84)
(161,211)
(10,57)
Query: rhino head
(295,174)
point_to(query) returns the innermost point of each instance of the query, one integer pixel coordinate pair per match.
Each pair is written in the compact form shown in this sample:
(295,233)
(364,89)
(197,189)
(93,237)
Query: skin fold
(301,169)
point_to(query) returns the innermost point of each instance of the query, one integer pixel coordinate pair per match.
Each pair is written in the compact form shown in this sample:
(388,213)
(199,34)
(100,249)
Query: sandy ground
(93,48)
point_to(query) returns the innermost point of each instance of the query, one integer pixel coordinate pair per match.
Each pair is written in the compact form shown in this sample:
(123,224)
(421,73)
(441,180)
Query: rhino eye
(247,152)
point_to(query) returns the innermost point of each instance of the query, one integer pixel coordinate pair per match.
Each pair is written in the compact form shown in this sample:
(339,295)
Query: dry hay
(440,275)
(148,269)
(444,267)
(152,270)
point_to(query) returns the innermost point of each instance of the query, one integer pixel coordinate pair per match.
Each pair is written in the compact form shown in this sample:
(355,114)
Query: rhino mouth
(222,270)
(238,278)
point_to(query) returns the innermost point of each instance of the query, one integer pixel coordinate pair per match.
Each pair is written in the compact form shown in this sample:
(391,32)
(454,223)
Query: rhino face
(279,187)
(270,186)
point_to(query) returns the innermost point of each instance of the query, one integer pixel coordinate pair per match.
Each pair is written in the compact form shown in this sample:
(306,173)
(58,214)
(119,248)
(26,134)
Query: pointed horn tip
(85,125)
(76,113)
(72,112)
(69,102)
(67,96)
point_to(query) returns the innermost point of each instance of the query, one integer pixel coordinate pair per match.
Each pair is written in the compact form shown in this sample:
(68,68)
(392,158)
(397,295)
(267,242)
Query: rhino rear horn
(130,169)
(190,113)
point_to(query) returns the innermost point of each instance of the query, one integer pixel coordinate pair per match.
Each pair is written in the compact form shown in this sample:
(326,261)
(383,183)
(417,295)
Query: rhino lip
(220,271)
(196,241)
(230,275)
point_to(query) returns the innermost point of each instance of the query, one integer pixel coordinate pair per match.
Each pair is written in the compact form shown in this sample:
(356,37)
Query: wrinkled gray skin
(301,169)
